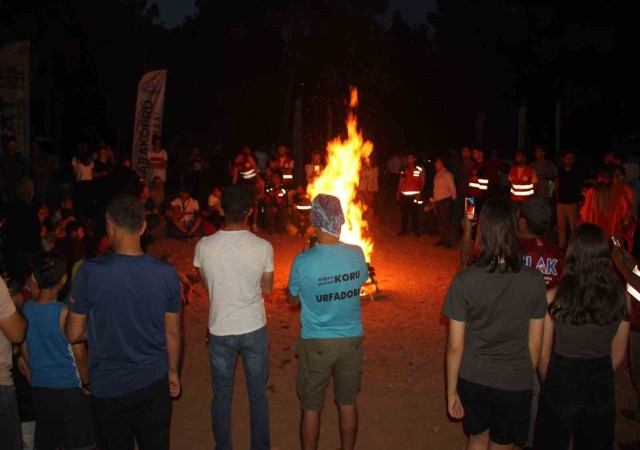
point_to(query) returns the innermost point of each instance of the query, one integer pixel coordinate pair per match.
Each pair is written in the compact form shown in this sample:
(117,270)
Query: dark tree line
(236,68)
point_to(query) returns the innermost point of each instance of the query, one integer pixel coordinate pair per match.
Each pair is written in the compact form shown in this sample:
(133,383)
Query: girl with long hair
(496,309)
(585,341)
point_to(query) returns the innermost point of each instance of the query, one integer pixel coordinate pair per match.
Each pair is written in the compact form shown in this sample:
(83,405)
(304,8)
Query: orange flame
(341,176)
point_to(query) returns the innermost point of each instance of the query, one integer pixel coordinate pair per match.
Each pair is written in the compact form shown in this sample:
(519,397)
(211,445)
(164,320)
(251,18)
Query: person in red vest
(523,178)
(409,189)
(285,165)
(478,178)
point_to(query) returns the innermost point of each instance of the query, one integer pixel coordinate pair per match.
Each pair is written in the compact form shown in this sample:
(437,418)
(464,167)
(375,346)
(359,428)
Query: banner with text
(14,95)
(148,121)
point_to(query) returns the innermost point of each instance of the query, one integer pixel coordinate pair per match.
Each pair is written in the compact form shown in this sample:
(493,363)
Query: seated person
(71,246)
(215,213)
(184,216)
(156,227)
(299,221)
(275,204)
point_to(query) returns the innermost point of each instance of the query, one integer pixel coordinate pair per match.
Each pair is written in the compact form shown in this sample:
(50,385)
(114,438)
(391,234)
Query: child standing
(58,370)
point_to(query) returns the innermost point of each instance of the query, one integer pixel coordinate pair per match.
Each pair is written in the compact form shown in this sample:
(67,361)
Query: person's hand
(466,224)
(454,406)
(174,384)
(23,368)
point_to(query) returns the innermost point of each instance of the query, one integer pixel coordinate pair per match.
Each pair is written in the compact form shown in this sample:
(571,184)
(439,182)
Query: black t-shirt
(569,185)
(496,308)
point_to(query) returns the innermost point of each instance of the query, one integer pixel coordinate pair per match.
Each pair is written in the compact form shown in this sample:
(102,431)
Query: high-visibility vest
(411,181)
(521,186)
(478,187)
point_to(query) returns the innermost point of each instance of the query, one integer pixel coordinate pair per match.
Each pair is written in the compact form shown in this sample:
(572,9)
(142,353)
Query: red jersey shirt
(548,258)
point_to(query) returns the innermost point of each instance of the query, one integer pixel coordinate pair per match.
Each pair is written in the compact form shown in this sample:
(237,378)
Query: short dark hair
(499,237)
(126,212)
(48,269)
(236,203)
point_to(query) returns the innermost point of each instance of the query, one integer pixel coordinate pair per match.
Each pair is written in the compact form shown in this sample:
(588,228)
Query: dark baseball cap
(537,211)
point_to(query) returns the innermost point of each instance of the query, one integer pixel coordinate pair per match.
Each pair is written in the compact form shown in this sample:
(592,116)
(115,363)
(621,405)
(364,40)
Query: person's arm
(80,354)
(452,186)
(534,177)
(536,327)
(294,300)
(619,345)
(455,349)
(14,327)
(165,161)
(625,263)
(267,282)
(547,340)
(465,243)
(76,327)
(173,331)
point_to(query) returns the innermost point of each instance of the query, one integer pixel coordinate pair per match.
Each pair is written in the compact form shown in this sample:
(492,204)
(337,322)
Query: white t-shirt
(233,263)
(7,308)
(82,172)
(156,157)
(190,208)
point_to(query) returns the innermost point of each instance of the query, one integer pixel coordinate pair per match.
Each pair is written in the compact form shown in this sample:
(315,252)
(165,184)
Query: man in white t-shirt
(236,266)
(157,160)
(184,215)
(12,329)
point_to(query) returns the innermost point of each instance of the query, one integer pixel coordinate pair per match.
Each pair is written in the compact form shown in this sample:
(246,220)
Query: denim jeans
(578,398)
(10,438)
(223,352)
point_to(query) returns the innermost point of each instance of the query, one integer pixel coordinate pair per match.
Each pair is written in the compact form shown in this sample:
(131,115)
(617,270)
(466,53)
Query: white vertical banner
(15,73)
(148,120)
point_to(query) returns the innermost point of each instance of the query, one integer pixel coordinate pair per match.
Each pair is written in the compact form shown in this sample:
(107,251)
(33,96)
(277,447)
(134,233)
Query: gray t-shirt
(584,341)
(496,308)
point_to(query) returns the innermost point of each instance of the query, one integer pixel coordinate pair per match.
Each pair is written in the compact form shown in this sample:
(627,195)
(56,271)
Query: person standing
(158,161)
(444,194)
(127,305)
(585,341)
(478,181)
(326,281)
(12,330)
(496,309)
(523,178)
(462,186)
(409,189)
(236,266)
(546,172)
(568,193)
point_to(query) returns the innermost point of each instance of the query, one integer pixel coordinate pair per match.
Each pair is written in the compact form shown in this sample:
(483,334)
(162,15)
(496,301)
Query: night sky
(172,12)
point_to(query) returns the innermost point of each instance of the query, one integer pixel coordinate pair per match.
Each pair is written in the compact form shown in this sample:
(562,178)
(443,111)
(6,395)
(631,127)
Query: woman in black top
(588,321)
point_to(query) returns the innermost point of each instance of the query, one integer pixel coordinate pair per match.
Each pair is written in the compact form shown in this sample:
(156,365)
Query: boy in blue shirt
(58,371)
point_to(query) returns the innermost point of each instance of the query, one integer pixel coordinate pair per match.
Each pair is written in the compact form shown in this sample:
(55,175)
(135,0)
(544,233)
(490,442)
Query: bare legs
(310,427)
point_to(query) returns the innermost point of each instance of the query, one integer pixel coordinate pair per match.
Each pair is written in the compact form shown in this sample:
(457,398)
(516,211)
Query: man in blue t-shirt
(127,306)
(326,281)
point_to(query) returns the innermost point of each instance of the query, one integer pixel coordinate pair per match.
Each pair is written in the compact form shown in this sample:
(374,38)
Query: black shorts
(64,416)
(504,413)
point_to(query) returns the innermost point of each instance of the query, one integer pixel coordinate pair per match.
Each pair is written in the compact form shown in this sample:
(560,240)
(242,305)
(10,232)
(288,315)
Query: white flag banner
(15,72)
(148,121)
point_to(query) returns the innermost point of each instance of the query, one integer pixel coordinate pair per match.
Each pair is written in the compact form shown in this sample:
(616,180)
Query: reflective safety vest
(411,181)
(247,172)
(521,186)
(478,181)
(285,165)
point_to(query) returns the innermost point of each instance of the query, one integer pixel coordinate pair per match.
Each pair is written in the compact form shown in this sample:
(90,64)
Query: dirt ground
(402,403)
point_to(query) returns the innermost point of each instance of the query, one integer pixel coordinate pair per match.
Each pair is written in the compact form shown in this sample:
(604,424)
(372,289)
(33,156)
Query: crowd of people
(539,316)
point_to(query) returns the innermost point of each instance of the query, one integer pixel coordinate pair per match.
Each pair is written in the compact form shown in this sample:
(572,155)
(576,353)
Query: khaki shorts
(319,360)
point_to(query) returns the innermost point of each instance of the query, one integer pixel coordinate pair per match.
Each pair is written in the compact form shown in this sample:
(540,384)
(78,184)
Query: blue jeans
(223,352)
(10,438)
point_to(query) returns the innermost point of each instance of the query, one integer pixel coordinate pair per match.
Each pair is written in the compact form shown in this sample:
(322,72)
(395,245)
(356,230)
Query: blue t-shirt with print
(328,278)
(125,298)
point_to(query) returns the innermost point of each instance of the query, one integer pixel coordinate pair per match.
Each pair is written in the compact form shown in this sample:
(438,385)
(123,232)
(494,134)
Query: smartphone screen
(470,207)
